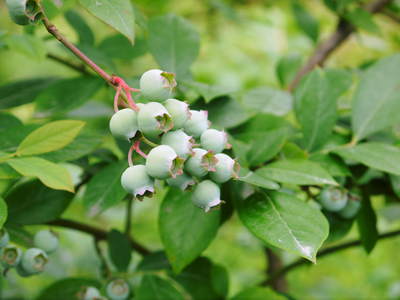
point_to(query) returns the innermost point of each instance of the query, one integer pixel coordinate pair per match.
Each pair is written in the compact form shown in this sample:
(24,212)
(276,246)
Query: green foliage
(119,249)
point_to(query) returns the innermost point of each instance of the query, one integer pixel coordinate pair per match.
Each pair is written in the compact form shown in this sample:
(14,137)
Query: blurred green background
(241,43)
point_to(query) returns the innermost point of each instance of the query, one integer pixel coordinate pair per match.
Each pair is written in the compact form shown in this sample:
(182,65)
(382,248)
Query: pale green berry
(34,260)
(162,162)
(10,256)
(197,124)
(156,84)
(200,163)
(23,12)
(124,123)
(182,182)
(89,293)
(154,119)
(333,199)
(4,238)
(179,112)
(118,289)
(226,168)
(214,140)
(137,182)
(21,271)
(352,207)
(179,141)
(46,240)
(206,195)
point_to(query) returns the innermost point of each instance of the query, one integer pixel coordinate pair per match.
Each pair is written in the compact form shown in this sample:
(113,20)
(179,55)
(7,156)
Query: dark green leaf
(367,222)
(334,165)
(67,94)
(116,13)
(6,172)
(376,101)
(119,249)
(226,113)
(79,24)
(283,221)
(362,19)
(118,46)
(22,92)
(153,287)
(207,91)
(67,288)
(268,100)
(3,212)
(220,280)
(306,21)
(174,43)
(185,229)
(287,68)
(104,189)
(33,203)
(155,261)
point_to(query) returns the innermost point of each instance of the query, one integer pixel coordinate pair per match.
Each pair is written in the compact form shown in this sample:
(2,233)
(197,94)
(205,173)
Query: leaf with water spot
(284,221)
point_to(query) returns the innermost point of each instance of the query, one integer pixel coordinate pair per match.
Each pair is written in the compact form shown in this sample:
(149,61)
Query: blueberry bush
(115,112)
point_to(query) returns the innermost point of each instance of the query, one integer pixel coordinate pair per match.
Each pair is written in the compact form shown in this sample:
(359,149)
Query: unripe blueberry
(163,162)
(333,199)
(179,141)
(124,123)
(118,289)
(89,293)
(154,119)
(156,84)
(214,140)
(33,261)
(4,238)
(137,182)
(197,124)
(200,163)
(206,195)
(46,240)
(10,256)
(352,207)
(183,181)
(179,112)
(225,168)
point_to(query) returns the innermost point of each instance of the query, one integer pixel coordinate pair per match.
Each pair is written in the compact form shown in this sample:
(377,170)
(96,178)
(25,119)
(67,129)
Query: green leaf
(33,203)
(185,229)
(378,156)
(268,100)
(296,171)
(258,180)
(315,107)
(287,68)
(258,293)
(155,261)
(367,222)
(119,249)
(28,45)
(50,137)
(3,212)
(116,13)
(306,22)
(52,175)
(362,19)
(333,164)
(6,172)
(197,279)
(104,189)
(119,47)
(227,113)
(22,92)
(67,94)
(154,287)
(207,91)
(284,221)
(23,12)
(376,101)
(67,288)
(174,43)
(80,26)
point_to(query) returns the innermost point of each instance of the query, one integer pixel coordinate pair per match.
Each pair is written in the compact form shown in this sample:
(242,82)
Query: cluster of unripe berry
(33,260)
(337,200)
(171,128)
(116,289)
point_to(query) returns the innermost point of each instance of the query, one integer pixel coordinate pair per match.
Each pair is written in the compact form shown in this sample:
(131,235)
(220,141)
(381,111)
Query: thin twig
(324,50)
(77,67)
(105,269)
(98,233)
(274,264)
(323,253)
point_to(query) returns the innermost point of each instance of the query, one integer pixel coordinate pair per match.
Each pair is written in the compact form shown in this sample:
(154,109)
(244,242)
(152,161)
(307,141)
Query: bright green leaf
(3,212)
(284,221)
(179,222)
(260,181)
(50,137)
(258,293)
(6,172)
(268,100)
(52,175)
(207,91)
(154,287)
(306,21)
(362,19)
(66,288)
(287,68)
(28,45)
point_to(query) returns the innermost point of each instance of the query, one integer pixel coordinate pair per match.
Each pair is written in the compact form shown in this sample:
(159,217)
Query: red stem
(130,152)
(137,148)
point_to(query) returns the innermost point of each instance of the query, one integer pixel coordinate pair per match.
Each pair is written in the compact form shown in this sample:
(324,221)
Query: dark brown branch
(324,50)
(97,233)
(77,67)
(274,264)
(323,253)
